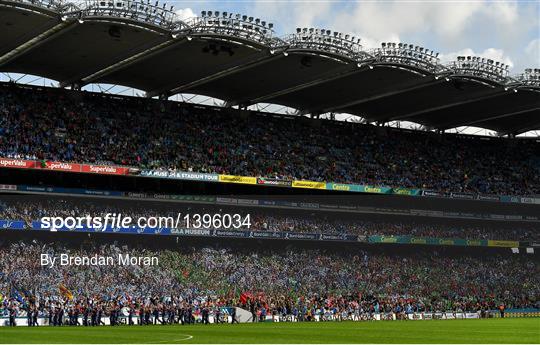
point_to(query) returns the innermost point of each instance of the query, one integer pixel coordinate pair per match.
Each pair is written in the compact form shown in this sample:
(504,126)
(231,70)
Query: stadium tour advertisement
(258,172)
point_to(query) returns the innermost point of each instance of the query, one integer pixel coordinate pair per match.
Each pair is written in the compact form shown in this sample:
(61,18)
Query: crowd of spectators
(59,125)
(278,220)
(295,281)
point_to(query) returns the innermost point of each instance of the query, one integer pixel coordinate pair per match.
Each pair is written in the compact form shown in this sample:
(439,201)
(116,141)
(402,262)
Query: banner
(273,182)
(237,179)
(12,224)
(62,190)
(309,184)
(180,175)
(488,198)
(16,163)
(432,193)
(340,187)
(263,234)
(8,187)
(466,196)
(105,169)
(513,199)
(509,244)
(300,236)
(426,240)
(406,191)
(266,234)
(347,187)
(377,190)
(63,166)
(59,166)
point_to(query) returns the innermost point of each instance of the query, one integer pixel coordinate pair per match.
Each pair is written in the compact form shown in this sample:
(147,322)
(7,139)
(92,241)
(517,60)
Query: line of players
(147,315)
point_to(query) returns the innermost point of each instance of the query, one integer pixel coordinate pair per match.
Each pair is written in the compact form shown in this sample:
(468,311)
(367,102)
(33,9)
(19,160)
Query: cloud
(185,13)
(498,29)
(290,15)
(532,54)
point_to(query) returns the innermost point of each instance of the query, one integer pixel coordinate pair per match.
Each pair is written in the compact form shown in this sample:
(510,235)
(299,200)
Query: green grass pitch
(442,331)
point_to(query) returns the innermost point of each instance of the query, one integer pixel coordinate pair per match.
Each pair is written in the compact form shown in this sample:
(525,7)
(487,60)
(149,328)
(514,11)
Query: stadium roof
(238,59)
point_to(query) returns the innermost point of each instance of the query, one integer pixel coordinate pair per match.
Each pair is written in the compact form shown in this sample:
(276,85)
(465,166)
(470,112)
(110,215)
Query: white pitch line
(188,337)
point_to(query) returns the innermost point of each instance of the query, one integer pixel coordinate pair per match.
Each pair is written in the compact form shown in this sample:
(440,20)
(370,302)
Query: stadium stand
(444,224)
(294,282)
(280,219)
(60,125)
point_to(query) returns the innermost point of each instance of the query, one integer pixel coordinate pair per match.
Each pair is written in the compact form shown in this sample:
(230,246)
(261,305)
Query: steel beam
(407,116)
(396,90)
(38,40)
(241,66)
(128,61)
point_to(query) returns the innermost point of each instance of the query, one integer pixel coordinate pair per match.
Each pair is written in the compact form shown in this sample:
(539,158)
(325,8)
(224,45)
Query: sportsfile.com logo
(108,221)
(118,221)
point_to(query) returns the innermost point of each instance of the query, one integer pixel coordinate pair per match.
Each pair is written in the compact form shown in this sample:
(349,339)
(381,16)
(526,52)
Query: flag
(65,292)
(243,298)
